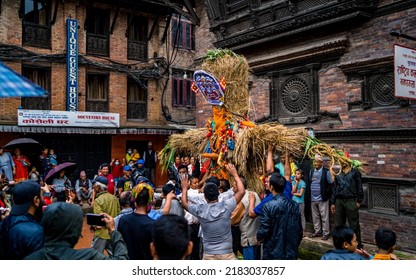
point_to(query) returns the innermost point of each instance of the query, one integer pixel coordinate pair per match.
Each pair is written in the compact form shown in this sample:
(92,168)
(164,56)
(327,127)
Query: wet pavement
(86,239)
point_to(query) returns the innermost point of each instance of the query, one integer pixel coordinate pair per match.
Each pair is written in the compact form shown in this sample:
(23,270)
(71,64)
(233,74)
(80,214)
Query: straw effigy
(250,142)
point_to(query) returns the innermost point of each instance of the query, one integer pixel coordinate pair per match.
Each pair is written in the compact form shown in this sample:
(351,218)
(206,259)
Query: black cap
(211,191)
(23,195)
(168,188)
(100,179)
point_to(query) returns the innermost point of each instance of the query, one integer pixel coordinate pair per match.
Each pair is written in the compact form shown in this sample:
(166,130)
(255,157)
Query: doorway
(88,151)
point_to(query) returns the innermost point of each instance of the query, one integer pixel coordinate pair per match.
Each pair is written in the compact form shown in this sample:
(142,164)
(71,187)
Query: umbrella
(15,85)
(22,142)
(69,167)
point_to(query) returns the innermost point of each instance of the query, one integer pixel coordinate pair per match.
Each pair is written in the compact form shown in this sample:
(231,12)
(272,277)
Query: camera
(95,220)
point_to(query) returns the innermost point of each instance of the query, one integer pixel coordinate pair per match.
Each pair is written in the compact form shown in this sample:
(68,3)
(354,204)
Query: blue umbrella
(15,85)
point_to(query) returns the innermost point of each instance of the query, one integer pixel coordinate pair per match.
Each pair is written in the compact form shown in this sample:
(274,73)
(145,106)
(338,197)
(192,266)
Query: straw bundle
(190,143)
(234,68)
(336,157)
(252,145)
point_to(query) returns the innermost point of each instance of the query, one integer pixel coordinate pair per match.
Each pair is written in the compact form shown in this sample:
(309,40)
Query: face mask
(131,164)
(129,152)
(117,163)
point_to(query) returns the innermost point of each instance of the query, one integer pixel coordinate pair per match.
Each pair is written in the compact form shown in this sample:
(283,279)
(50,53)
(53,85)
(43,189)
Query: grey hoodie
(62,224)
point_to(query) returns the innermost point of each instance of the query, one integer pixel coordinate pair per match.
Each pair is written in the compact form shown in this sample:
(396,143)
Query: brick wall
(11,33)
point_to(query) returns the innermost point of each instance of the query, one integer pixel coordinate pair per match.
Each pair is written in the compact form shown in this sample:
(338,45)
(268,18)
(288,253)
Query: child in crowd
(386,243)
(298,191)
(345,243)
(53,158)
(34,174)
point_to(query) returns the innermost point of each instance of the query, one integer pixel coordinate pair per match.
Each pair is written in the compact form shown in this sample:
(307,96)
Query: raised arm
(240,187)
(168,203)
(287,166)
(252,201)
(185,187)
(269,161)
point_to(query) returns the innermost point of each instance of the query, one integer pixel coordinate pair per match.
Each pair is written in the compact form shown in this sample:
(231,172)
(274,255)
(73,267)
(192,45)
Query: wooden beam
(194,19)
(152,30)
(115,17)
(55,12)
(165,33)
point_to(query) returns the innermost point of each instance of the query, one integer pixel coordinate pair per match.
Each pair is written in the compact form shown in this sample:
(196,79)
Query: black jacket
(280,229)
(348,186)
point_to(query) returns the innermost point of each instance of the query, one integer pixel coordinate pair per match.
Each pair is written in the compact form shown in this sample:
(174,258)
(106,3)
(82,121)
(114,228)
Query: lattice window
(383,198)
(295,95)
(294,98)
(310,4)
(382,90)
(236,5)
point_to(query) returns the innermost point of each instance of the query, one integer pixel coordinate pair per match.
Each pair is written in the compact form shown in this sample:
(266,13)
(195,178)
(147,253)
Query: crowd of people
(195,216)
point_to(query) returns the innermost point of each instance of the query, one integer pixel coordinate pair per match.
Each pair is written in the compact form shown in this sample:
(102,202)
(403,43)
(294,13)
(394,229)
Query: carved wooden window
(98,32)
(36,23)
(182,95)
(378,90)
(136,99)
(41,77)
(97,92)
(383,198)
(183,33)
(294,98)
(236,5)
(137,39)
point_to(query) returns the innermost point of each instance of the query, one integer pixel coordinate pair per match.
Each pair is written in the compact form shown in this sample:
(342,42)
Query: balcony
(136,110)
(237,25)
(36,35)
(137,50)
(98,45)
(97,106)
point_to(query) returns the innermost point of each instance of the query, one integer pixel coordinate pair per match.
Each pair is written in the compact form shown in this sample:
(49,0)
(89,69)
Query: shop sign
(67,118)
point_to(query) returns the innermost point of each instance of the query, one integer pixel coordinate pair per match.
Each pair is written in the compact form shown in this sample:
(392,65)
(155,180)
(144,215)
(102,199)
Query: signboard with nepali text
(404,72)
(67,118)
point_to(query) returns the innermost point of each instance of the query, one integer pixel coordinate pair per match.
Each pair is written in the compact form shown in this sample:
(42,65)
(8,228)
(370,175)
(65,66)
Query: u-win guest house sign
(67,118)
(404,72)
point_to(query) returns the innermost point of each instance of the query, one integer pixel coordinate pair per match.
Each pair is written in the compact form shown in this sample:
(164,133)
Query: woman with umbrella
(60,185)
(21,164)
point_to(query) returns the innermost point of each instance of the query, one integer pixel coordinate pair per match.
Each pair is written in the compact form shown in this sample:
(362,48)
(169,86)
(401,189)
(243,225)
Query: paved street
(85,240)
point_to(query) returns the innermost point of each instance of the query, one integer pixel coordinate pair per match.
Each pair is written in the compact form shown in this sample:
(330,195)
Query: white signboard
(404,72)
(67,118)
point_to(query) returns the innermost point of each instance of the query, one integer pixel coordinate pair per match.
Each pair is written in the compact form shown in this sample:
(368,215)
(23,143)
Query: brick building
(134,59)
(328,65)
